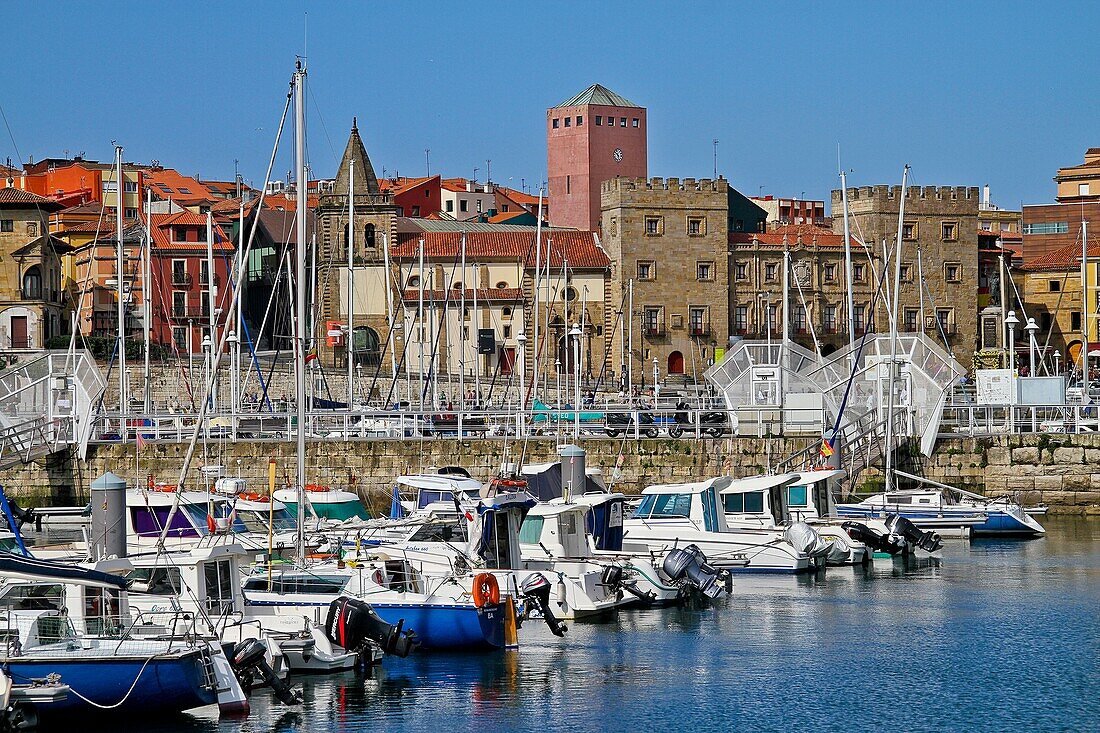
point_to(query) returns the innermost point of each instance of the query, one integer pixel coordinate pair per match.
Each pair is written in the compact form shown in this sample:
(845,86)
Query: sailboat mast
(894,332)
(848,271)
(390,317)
(212,304)
(1084,307)
(300,291)
(120,277)
(147,296)
(351,279)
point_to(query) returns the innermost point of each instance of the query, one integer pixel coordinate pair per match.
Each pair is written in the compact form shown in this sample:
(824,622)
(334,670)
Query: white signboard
(995,386)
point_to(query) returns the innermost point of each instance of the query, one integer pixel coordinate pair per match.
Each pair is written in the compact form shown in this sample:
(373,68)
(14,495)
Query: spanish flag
(826,448)
(311,355)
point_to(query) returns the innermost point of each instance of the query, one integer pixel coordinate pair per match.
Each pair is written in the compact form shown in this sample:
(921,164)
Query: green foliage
(102,347)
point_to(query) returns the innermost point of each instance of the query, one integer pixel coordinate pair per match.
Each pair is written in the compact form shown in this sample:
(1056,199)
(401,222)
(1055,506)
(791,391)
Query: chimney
(985,195)
(469,186)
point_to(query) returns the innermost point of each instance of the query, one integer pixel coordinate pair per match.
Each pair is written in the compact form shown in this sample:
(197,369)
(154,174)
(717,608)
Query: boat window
(218,576)
(157,581)
(149,521)
(451,531)
(664,505)
(747,503)
(102,614)
(531,531)
(298,583)
(796,496)
(899,500)
(429,496)
(710,510)
(33,597)
(925,500)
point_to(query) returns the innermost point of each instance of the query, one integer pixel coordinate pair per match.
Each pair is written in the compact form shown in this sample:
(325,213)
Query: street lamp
(656,385)
(1057,362)
(575,333)
(1031,328)
(234,366)
(206,365)
(1011,320)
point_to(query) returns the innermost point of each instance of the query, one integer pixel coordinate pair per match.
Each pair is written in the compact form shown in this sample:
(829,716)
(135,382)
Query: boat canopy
(812,477)
(544,480)
(760,483)
(697,487)
(32,569)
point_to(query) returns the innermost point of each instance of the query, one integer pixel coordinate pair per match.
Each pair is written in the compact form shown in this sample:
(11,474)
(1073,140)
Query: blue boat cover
(44,569)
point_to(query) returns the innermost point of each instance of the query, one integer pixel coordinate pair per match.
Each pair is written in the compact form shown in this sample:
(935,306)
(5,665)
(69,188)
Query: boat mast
(462,330)
(147,297)
(1084,309)
(351,279)
(212,301)
(892,314)
(535,348)
(300,291)
(120,269)
(848,274)
(390,317)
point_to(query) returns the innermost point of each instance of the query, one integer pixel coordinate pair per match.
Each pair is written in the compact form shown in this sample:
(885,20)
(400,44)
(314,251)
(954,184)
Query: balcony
(654,330)
(700,329)
(191,314)
(181,278)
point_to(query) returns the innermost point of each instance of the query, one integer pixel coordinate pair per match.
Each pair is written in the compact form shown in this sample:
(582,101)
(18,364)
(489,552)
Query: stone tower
(375,224)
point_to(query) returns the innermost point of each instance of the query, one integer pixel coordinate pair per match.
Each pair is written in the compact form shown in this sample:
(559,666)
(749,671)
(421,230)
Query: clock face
(618,154)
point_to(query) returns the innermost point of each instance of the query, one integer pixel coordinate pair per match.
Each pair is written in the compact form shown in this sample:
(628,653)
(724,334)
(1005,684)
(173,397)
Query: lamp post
(359,378)
(656,385)
(206,366)
(521,343)
(234,385)
(1011,320)
(1057,362)
(557,384)
(575,333)
(1031,328)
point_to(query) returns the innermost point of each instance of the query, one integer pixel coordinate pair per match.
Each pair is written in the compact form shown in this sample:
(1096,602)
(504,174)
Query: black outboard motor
(688,567)
(928,541)
(614,577)
(251,667)
(875,540)
(536,595)
(352,623)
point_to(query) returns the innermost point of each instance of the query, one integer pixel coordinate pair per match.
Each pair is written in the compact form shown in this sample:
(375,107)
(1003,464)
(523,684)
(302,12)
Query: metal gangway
(46,405)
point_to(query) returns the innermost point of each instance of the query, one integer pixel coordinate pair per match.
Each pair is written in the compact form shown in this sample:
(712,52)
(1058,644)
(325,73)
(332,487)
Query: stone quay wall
(1062,471)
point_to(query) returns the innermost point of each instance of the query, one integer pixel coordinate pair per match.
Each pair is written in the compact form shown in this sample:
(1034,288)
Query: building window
(479,205)
(1047,227)
(580,120)
(179,273)
(568,121)
(697,321)
(450,205)
(906,273)
(910,320)
(770,270)
(1045,321)
(204,303)
(506,312)
(1054,286)
(179,304)
(799,318)
(909,231)
(741,271)
(647,270)
(507,330)
(1082,189)
(635,122)
(201,234)
(414,282)
(464,205)
(949,231)
(555,123)
(368,231)
(32,283)
(568,184)
(204,273)
(828,316)
(1075,320)
(130,213)
(830,272)
(952,272)
(741,319)
(944,320)
(704,270)
(859,272)
(773,317)
(7,225)
(502,285)
(180,234)
(652,321)
(416,211)
(599,120)
(696,226)
(179,338)
(652,225)
(859,316)
(622,122)
(570,294)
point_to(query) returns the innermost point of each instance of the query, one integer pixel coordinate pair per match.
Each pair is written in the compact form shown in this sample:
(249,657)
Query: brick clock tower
(591,138)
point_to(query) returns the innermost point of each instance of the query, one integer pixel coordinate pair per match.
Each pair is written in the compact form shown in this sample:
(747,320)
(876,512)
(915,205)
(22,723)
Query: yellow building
(1080,182)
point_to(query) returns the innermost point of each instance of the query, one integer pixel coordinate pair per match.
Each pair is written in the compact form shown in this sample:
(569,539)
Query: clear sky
(967,93)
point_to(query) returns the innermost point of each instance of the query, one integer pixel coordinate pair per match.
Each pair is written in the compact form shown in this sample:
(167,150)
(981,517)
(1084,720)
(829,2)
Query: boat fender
(486,590)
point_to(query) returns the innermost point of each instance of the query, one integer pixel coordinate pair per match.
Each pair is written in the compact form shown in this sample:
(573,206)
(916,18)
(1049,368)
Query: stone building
(32,307)
(939,249)
(670,238)
(1051,289)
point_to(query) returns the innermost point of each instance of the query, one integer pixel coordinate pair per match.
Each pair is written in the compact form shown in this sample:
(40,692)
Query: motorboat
(325,502)
(673,515)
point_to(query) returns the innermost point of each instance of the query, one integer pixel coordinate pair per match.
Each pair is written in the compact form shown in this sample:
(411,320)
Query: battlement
(912,193)
(665,184)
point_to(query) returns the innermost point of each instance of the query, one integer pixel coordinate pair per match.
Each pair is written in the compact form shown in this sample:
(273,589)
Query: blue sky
(967,93)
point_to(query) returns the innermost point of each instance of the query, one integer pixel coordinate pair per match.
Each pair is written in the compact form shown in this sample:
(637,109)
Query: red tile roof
(167,183)
(1063,258)
(505,216)
(19,197)
(807,234)
(400,185)
(163,239)
(104,227)
(580,248)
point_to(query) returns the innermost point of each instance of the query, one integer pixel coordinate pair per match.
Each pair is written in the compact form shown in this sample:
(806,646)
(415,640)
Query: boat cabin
(768,501)
(555,531)
(695,503)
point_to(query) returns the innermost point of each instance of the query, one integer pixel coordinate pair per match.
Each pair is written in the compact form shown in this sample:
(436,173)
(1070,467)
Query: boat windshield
(751,502)
(298,583)
(664,505)
(451,530)
(189,521)
(255,520)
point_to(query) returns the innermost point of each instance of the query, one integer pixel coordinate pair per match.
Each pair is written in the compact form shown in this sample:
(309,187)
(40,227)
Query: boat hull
(165,684)
(449,628)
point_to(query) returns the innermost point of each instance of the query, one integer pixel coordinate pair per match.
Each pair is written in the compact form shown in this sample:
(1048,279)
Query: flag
(826,448)
(211,524)
(140,442)
(311,355)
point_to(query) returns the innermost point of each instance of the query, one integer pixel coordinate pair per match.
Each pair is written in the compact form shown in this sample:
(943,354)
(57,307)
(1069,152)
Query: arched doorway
(566,353)
(676,362)
(365,343)
(32,283)
(1073,352)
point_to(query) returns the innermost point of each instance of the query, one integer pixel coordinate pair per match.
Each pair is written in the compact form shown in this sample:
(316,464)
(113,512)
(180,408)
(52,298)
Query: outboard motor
(875,540)
(352,624)
(614,577)
(928,541)
(688,567)
(250,665)
(536,595)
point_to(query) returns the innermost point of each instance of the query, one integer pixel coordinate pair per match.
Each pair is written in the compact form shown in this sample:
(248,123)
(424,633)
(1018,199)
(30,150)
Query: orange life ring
(252,496)
(486,590)
(316,487)
(165,488)
(516,483)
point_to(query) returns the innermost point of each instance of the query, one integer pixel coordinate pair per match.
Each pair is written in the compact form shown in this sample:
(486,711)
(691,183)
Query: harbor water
(995,635)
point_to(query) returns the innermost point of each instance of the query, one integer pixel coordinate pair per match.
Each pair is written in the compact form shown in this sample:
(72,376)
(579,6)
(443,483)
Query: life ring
(253,496)
(486,590)
(163,488)
(316,487)
(510,482)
